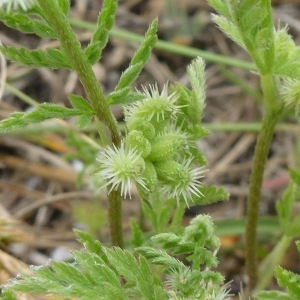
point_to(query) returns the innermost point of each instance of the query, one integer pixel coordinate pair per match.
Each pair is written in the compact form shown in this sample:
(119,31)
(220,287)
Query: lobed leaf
(124,97)
(230,29)
(137,234)
(51,58)
(26,24)
(100,36)
(272,295)
(43,112)
(210,194)
(289,281)
(159,257)
(197,101)
(140,58)
(64,6)
(81,104)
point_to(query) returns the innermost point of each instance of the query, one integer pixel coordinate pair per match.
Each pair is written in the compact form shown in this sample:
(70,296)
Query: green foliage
(285,207)
(210,194)
(64,6)
(100,36)
(97,270)
(250,24)
(273,295)
(41,113)
(138,238)
(197,242)
(289,281)
(26,24)
(136,65)
(87,111)
(51,58)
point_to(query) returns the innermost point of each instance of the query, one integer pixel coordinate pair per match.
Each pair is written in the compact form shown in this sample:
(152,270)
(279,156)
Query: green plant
(250,24)
(96,271)
(159,155)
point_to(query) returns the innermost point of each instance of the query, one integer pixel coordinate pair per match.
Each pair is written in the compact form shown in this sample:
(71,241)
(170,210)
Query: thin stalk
(171,47)
(115,218)
(72,47)
(270,118)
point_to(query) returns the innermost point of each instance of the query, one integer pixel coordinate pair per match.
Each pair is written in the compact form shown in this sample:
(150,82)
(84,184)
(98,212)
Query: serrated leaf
(89,243)
(230,29)
(124,97)
(145,280)
(129,75)
(221,7)
(140,58)
(69,273)
(51,58)
(272,295)
(210,194)
(197,99)
(99,39)
(160,257)
(81,104)
(64,5)
(84,121)
(137,235)
(26,24)
(289,281)
(119,96)
(92,51)
(41,113)
(123,261)
(169,239)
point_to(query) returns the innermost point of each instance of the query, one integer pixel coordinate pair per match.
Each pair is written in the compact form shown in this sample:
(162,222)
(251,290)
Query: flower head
(290,92)
(181,180)
(121,166)
(15,4)
(155,106)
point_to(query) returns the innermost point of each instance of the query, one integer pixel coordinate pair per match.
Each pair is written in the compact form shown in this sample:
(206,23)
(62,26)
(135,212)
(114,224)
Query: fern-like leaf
(51,58)
(289,281)
(137,63)
(43,112)
(26,24)
(100,36)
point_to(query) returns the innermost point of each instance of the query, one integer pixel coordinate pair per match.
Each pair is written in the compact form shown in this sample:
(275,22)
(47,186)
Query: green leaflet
(100,36)
(136,65)
(43,112)
(27,24)
(51,58)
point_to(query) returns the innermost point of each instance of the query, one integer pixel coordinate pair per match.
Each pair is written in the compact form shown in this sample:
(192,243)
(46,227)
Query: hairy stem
(58,21)
(272,111)
(115,218)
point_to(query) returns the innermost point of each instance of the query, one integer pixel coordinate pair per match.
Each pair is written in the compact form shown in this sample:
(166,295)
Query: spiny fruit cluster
(158,150)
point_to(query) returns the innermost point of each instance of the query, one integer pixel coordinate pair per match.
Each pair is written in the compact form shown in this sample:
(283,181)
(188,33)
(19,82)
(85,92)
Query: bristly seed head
(156,106)
(120,167)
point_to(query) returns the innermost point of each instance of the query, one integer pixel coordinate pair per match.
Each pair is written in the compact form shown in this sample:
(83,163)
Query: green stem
(171,47)
(270,118)
(115,218)
(58,21)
